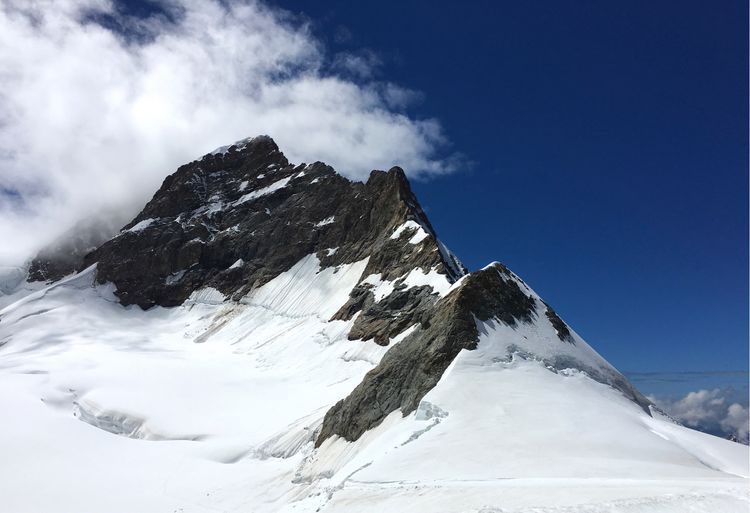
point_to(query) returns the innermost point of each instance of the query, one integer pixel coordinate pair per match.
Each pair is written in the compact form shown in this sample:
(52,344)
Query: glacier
(213,406)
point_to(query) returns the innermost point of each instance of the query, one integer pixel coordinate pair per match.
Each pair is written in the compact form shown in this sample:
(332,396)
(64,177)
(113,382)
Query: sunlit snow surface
(212,406)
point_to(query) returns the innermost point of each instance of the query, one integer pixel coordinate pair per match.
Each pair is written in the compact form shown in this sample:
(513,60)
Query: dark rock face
(235,220)
(392,315)
(413,367)
(562,329)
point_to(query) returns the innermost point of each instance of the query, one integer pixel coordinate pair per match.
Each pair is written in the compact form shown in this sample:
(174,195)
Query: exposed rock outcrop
(413,367)
(237,218)
(242,215)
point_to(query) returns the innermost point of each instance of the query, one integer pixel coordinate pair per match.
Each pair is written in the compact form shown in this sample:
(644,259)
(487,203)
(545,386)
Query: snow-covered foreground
(213,406)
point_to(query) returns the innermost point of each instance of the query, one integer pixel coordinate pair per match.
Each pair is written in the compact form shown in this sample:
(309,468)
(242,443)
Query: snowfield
(213,406)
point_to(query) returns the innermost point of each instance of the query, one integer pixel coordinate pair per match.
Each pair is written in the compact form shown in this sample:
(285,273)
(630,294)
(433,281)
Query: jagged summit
(240,145)
(242,214)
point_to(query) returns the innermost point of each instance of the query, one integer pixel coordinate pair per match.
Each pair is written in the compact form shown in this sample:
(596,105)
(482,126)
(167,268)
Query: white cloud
(708,410)
(737,421)
(90,118)
(699,406)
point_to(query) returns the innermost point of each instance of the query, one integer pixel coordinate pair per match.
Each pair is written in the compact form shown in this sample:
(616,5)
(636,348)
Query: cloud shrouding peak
(93,116)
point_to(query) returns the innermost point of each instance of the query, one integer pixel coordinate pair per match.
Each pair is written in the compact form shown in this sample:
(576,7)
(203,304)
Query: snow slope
(213,406)
(498,435)
(198,394)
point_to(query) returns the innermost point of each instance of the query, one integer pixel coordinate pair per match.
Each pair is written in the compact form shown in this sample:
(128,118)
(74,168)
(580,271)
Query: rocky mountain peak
(243,214)
(324,351)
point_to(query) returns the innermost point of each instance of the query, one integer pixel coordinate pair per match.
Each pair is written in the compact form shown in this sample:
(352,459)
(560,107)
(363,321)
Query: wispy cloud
(736,421)
(708,410)
(96,106)
(362,64)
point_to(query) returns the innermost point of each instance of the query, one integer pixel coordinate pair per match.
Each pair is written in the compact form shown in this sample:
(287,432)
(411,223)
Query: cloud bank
(97,106)
(710,411)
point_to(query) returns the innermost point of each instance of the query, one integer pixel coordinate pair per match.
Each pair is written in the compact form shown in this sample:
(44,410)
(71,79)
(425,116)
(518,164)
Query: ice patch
(380,288)
(122,423)
(418,278)
(140,226)
(426,410)
(327,220)
(456,285)
(174,277)
(410,225)
(264,191)
(415,278)
(238,263)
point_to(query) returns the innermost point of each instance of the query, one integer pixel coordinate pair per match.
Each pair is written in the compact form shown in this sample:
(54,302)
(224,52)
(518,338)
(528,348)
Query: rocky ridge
(237,218)
(242,215)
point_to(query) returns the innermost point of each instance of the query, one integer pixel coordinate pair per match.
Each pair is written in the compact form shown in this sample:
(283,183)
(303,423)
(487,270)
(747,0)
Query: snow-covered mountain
(273,337)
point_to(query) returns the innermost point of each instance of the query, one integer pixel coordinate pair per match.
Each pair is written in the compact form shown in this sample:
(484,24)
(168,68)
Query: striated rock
(237,218)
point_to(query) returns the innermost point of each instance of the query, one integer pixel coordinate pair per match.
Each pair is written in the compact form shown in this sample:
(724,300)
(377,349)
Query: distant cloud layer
(708,410)
(96,107)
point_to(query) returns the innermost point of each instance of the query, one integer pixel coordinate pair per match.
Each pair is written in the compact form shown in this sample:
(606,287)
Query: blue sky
(609,151)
